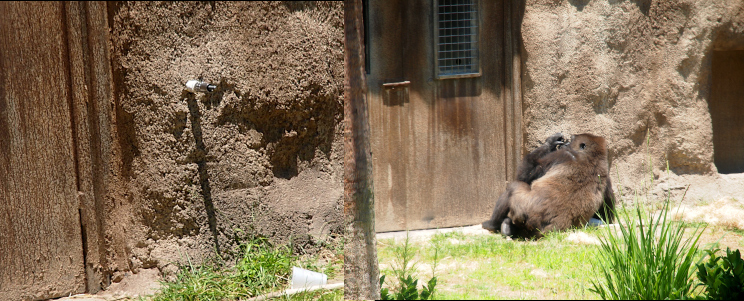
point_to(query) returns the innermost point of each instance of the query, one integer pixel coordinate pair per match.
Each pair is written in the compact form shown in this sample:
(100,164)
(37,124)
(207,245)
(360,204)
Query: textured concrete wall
(262,154)
(622,69)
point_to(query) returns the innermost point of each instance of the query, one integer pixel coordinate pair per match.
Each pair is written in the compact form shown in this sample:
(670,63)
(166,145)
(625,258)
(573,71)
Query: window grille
(457,38)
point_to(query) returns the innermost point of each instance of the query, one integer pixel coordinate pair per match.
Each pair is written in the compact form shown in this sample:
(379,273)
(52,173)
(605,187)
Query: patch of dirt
(725,219)
(129,286)
(725,212)
(582,238)
(721,238)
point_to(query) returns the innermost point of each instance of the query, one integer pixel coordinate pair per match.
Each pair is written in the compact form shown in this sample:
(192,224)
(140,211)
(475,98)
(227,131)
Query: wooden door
(41,244)
(442,145)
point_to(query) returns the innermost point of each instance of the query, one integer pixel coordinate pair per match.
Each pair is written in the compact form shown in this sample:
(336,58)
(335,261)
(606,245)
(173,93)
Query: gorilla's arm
(530,169)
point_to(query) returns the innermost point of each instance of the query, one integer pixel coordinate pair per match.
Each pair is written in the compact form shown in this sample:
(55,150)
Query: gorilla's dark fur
(534,204)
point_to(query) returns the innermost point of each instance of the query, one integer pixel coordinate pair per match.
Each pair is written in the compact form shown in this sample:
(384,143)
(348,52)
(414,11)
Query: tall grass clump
(202,282)
(264,267)
(647,260)
(646,257)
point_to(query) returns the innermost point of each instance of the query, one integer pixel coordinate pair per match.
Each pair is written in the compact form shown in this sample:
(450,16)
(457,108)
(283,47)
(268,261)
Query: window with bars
(457,38)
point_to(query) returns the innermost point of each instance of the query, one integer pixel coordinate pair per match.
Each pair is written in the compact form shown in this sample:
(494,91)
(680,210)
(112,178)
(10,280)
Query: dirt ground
(131,286)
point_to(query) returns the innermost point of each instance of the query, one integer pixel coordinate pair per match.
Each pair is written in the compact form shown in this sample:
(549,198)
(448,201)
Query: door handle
(394,85)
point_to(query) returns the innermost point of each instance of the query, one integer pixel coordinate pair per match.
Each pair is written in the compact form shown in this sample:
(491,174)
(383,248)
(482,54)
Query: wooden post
(361,273)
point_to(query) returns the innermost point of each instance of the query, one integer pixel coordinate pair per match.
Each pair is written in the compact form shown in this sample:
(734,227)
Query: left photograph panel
(171,150)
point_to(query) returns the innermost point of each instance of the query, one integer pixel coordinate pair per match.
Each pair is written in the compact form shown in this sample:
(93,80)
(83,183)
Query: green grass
(488,266)
(260,269)
(322,295)
(491,267)
(332,267)
(203,282)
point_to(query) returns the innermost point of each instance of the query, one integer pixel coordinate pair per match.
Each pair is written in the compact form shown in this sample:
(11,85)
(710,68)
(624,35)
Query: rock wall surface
(262,154)
(637,73)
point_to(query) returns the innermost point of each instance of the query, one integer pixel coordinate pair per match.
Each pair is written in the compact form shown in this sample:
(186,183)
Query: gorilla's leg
(499,212)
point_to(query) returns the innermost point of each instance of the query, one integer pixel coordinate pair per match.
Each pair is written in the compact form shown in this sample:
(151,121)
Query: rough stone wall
(262,154)
(622,69)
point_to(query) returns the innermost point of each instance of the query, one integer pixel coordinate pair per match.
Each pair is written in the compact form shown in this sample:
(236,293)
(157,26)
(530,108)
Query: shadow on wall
(292,131)
(579,4)
(725,108)
(199,156)
(127,141)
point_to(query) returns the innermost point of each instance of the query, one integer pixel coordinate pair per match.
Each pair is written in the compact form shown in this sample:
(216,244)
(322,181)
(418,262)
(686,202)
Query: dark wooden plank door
(439,145)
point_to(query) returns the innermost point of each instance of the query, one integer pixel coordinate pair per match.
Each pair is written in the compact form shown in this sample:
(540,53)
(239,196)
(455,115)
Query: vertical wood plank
(90,87)
(513,87)
(40,243)
(360,264)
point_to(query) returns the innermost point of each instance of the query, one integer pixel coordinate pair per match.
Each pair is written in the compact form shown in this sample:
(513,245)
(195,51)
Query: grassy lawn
(490,267)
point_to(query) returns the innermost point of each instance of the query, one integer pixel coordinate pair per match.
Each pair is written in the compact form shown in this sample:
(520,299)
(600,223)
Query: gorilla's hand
(555,141)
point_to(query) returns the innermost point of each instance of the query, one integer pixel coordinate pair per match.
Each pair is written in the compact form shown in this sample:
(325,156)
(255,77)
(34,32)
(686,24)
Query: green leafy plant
(722,277)
(403,269)
(408,290)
